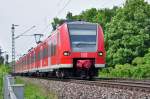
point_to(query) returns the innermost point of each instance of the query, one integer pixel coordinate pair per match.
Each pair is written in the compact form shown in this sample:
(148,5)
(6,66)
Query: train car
(73,49)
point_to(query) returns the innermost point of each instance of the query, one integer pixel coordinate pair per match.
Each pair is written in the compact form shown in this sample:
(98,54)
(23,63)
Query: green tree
(69,16)
(127,35)
(101,16)
(1,60)
(56,22)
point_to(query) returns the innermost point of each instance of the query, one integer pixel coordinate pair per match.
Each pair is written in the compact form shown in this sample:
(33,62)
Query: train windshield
(83,37)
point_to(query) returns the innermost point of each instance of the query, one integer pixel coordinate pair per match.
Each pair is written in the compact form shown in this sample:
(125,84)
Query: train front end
(86,52)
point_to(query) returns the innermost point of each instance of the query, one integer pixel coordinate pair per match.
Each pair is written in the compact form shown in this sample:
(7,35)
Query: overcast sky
(40,13)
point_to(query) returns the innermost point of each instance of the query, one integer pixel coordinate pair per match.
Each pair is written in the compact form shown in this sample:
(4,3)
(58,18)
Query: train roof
(81,22)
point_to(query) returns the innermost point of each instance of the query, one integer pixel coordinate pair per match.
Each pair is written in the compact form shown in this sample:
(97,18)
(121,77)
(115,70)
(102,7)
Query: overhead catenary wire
(22,34)
(59,2)
(44,31)
(59,12)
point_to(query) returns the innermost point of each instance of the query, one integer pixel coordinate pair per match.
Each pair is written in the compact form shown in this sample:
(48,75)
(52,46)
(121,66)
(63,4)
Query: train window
(53,49)
(49,49)
(45,52)
(38,57)
(52,54)
(23,62)
(83,37)
(34,57)
(27,59)
(30,59)
(54,46)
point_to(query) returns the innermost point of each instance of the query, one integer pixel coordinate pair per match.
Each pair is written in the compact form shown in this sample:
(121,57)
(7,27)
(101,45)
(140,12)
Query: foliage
(4,69)
(1,60)
(127,35)
(101,16)
(140,68)
(56,22)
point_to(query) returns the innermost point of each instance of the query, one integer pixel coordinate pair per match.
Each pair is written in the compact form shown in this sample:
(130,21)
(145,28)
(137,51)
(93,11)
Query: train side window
(54,46)
(45,52)
(31,58)
(34,57)
(38,58)
(27,60)
(49,49)
(54,49)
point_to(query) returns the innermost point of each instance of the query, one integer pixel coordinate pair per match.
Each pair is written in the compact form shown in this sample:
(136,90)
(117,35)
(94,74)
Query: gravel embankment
(67,90)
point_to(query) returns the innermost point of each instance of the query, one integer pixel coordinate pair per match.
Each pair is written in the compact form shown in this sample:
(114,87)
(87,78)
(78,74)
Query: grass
(1,85)
(33,91)
(4,69)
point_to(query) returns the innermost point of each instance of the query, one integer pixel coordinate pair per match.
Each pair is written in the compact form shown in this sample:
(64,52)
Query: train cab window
(83,37)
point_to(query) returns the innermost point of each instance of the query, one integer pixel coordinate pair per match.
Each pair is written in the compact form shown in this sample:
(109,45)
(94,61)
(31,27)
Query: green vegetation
(128,34)
(101,16)
(1,60)
(139,69)
(33,91)
(127,37)
(3,71)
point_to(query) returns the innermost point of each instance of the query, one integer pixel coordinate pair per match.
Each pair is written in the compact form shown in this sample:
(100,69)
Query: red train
(73,49)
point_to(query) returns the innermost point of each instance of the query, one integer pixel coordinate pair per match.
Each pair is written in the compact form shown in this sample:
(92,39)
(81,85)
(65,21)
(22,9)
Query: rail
(12,90)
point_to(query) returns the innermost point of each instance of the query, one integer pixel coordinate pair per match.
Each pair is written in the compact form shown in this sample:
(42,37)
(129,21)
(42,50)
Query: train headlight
(66,53)
(100,53)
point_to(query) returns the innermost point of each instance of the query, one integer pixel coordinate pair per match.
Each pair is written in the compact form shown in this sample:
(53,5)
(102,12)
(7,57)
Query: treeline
(1,57)
(127,37)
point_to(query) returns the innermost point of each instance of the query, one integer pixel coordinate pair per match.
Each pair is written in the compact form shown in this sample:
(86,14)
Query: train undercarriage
(82,68)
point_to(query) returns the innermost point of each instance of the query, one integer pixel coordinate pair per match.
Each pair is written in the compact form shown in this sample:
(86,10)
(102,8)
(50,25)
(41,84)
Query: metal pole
(13,47)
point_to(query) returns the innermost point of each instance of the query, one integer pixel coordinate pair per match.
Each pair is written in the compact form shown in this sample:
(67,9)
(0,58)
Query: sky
(39,13)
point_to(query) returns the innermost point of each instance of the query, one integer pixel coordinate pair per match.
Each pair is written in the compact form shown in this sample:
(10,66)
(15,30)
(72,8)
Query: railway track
(127,84)
(133,85)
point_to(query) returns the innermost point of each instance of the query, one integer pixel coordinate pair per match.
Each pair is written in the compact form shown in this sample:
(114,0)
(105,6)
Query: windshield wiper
(84,43)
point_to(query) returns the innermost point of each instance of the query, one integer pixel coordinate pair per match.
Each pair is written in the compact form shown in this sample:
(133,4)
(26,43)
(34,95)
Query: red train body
(73,49)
